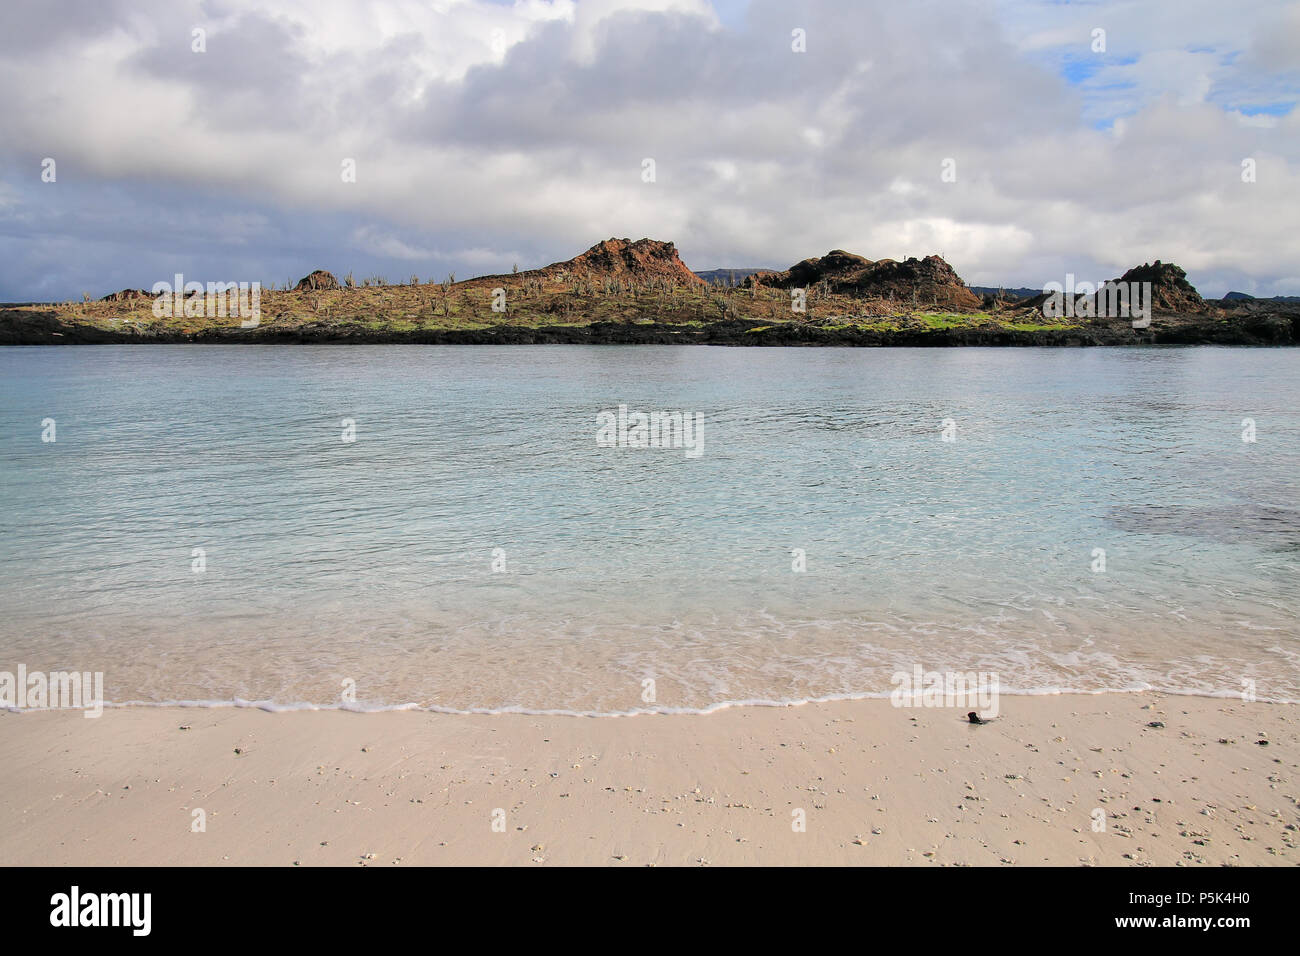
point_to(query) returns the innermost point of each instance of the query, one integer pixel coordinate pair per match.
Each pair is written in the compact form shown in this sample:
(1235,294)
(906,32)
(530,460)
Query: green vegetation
(1031,327)
(949,320)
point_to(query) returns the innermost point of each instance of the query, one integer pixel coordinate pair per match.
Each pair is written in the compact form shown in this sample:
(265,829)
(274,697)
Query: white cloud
(764,156)
(372,240)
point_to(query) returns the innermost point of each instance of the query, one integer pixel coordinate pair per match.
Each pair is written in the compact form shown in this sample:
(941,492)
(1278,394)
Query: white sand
(876,784)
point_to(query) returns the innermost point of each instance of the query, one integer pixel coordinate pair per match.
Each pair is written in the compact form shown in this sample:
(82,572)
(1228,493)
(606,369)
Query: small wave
(275,707)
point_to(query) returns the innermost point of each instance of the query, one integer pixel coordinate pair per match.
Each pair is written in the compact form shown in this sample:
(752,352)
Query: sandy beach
(872,784)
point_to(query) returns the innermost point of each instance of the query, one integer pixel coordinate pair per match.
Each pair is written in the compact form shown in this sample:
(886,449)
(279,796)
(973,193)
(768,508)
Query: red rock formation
(622,259)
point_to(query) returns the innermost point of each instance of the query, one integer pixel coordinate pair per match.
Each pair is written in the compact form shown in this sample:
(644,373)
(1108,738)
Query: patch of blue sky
(1267,109)
(1077,70)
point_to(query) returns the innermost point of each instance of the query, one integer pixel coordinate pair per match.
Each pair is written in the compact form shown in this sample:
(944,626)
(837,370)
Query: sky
(1020,139)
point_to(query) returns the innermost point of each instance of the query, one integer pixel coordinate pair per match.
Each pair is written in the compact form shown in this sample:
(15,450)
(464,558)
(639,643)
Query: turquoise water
(372,561)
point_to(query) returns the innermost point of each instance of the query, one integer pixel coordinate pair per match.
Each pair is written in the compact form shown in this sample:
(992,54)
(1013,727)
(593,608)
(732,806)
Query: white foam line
(272,707)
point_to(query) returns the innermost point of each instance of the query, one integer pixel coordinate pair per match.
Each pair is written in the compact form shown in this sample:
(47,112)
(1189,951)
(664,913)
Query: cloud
(370,239)
(485,134)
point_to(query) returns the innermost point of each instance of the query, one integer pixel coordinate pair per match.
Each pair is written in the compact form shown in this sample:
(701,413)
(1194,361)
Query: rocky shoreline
(1276,326)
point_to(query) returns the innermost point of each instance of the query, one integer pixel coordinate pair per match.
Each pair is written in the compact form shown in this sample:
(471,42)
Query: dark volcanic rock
(1170,290)
(318,281)
(1171,293)
(928,281)
(923,282)
(836,265)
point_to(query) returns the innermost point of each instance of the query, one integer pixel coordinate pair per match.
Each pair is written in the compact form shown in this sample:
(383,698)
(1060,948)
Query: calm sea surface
(474,547)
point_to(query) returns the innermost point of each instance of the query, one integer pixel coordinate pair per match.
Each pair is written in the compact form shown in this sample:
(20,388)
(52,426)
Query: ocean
(439,526)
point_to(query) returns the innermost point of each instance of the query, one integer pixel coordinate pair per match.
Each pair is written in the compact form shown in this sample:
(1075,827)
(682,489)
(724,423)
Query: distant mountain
(1276,298)
(728,277)
(996,290)
(1030,293)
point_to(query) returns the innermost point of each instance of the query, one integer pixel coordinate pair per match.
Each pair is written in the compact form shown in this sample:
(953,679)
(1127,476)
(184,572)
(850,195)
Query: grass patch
(1032,327)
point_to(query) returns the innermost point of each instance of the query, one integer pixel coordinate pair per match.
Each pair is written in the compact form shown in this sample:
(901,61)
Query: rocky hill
(623,259)
(836,266)
(929,281)
(1170,290)
(1171,293)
